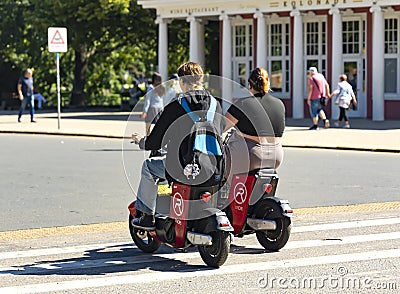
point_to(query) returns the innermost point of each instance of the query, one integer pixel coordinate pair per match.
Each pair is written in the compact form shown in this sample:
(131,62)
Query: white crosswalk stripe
(308,228)
(230,269)
(62,264)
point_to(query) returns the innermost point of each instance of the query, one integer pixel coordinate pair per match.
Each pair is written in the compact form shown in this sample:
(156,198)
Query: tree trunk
(78,97)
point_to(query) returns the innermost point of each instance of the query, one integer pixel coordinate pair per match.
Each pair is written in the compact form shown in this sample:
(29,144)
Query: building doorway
(354,69)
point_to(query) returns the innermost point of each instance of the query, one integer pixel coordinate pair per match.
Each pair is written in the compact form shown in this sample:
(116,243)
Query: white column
(226,59)
(196,43)
(297,66)
(162,47)
(200,45)
(261,40)
(378,49)
(337,61)
(226,46)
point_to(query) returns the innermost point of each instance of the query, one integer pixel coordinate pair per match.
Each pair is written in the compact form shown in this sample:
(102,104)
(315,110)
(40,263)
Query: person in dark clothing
(171,130)
(259,121)
(25,93)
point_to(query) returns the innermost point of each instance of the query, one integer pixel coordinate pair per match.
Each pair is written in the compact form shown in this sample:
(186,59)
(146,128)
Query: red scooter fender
(216,221)
(286,210)
(223,223)
(132,209)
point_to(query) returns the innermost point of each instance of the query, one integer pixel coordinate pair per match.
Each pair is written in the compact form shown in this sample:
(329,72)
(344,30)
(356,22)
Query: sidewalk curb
(62,134)
(344,148)
(124,137)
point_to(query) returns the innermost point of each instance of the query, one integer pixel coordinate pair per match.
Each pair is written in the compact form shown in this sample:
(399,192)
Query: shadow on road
(105,260)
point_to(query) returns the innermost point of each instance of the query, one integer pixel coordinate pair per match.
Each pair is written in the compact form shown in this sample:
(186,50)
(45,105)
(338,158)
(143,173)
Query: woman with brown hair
(153,103)
(259,121)
(172,130)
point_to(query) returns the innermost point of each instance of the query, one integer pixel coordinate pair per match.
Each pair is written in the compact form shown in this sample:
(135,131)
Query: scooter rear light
(224,224)
(206,196)
(268,188)
(288,210)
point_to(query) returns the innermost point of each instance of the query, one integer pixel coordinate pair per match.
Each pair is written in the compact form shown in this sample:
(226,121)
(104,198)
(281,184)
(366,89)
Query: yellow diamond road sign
(57,39)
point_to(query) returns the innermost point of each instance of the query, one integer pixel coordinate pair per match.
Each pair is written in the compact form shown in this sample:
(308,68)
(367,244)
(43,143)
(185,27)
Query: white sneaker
(346,126)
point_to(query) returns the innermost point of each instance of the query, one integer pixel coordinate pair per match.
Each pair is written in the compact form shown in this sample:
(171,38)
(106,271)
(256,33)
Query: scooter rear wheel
(216,254)
(276,239)
(143,240)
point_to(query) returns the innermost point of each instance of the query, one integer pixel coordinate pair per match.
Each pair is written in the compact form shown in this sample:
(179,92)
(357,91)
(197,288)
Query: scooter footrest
(199,239)
(261,224)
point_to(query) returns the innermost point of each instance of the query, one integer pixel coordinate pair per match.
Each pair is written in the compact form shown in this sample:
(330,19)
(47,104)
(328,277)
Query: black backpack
(204,162)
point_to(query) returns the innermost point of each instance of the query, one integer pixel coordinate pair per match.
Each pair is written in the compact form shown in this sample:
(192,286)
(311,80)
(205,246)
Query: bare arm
(327,90)
(309,94)
(354,99)
(19,89)
(230,121)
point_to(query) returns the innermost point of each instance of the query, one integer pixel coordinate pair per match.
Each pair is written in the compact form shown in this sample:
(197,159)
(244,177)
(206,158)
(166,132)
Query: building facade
(356,37)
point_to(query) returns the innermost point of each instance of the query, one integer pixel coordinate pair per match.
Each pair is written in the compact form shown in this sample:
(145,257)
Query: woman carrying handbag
(345,99)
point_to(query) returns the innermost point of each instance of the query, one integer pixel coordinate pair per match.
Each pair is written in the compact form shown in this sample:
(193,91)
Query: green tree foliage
(106,38)
(109,42)
(12,32)
(95,28)
(178,44)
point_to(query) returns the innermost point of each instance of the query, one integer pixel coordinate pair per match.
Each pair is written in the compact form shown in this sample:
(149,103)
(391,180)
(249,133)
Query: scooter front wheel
(216,254)
(276,239)
(143,240)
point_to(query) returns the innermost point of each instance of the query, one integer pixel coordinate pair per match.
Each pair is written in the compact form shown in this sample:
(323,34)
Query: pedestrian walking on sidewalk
(172,89)
(25,93)
(344,96)
(317,87)
(153,103)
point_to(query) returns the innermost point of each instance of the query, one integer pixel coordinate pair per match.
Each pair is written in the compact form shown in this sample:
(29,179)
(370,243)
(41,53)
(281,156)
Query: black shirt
(26,85)
(259,116)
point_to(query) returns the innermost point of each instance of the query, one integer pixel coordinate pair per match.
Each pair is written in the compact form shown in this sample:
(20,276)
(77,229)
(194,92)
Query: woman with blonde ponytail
(259,121)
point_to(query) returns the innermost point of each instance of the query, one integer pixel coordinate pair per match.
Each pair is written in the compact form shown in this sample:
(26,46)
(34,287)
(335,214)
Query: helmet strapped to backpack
(204,161)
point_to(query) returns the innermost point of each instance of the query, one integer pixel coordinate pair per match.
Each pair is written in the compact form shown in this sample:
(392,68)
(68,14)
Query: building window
(243,51)
(390,75)
(391,33)
(391,55)
(351,37)
(276,40)
(240,41)
(315,45)
(287,39)
(287,75)
(312,38)
(278,64)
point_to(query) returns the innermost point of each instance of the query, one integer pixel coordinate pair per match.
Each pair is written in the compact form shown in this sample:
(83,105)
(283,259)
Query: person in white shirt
(153,103)
(172,89)
(345,96)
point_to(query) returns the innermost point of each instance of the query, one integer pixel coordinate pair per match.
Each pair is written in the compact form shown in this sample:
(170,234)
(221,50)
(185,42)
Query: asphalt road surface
(55,184)
(51,181)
